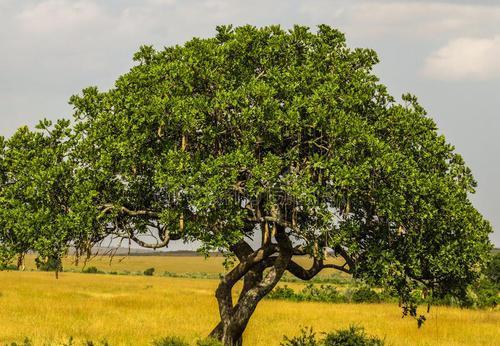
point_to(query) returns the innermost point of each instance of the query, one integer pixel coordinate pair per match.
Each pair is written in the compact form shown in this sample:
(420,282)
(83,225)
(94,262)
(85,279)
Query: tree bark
(20,262)
(256,285)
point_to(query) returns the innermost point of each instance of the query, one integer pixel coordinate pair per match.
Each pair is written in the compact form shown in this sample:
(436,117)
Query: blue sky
(445,52)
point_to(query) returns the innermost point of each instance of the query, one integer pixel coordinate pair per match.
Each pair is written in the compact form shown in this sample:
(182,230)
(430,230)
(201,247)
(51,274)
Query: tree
(42,208)
(268,144)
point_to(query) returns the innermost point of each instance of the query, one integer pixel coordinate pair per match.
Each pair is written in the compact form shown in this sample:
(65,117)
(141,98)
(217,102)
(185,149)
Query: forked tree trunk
(256,285)
(233,324)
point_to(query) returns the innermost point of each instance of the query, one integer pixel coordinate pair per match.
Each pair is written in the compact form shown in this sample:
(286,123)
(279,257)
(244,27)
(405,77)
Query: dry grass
(134,310)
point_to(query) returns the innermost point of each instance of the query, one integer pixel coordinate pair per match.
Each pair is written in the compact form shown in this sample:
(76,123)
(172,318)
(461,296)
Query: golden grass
(134,310)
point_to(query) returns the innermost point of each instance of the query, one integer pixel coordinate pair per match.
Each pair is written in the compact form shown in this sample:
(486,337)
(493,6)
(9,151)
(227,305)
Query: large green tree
(268,144)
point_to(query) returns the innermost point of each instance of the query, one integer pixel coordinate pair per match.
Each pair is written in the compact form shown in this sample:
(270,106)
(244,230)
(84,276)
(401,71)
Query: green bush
(354,336)
(365,295)
(284,292)
(323,293)
(149,271)
(92,270)
(49,264)
(306,338)
(8,267)
(208,342)
(26,342)
(310,293)
(493,270)
(91,343)
(485,294)
(170,341)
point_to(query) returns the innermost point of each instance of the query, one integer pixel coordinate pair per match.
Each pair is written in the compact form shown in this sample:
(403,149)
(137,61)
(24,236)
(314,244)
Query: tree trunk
(234,318)
(230,329)
(20,262)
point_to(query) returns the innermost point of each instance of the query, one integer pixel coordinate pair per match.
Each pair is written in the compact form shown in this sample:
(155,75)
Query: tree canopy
(262,143)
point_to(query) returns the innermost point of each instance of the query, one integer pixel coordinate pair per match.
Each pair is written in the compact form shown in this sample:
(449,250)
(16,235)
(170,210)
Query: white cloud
(54,15)
(465,58)
(422,19)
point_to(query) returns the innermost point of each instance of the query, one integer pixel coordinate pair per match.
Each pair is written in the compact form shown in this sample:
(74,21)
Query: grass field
(134,310)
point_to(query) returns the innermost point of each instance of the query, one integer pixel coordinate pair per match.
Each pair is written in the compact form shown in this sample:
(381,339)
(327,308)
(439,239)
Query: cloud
(465,58)
(54,15)
(422,19)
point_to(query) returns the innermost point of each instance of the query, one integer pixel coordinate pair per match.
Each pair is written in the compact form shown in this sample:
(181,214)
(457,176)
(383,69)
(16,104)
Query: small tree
(268,144)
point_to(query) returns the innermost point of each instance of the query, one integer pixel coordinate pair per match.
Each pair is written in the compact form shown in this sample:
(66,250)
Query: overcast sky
(445,52)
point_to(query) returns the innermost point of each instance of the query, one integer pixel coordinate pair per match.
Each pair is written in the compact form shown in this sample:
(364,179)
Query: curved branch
(305,274)
(143,244)
(318,265)
(349,260)
(124,210)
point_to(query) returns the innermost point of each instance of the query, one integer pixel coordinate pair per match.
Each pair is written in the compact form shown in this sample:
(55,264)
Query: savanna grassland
(135,310)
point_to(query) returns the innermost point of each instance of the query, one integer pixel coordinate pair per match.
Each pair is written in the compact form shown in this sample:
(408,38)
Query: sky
(445,52)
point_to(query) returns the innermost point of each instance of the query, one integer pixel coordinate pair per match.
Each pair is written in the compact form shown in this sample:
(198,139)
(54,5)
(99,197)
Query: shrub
(149,271)
(208,342)
(306,338)
(365,295)
(485,294)
(49,264)
(8,267)
(323,293)
(493,270)
(70,342)
(354,336)
(284,292)
(26,342)
(91,343)
(170,341)
(310,293)
(92,270)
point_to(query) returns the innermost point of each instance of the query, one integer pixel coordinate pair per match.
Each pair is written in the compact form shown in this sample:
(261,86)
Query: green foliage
(26,342)
(70,342)
(311,293)
(365,295)
(92,343)
(208,342)
(485,294)
(170,341)
(306,338)
(492,271)
(283,292)
(328,294)
(149,272)
(49,264)
(92,270)
(354,336)
(8,267)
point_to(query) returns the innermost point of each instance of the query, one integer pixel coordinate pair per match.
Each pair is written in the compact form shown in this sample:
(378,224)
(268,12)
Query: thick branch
(305,274)
(106,208)
(349,260)
(318,265)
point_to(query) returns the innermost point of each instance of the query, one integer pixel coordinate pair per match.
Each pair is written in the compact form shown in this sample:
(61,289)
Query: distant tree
(493,269)
(285,139)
